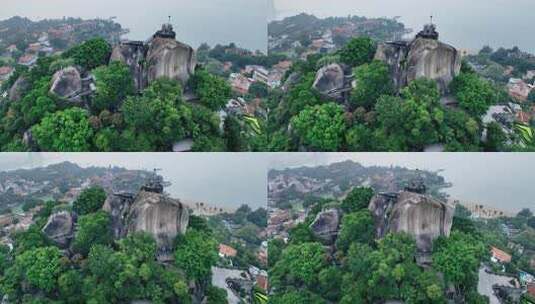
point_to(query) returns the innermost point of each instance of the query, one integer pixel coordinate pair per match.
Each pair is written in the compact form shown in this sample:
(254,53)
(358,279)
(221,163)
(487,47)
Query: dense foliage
(377,117)
(114,117)
(360,268)
(89,201)
(102,270)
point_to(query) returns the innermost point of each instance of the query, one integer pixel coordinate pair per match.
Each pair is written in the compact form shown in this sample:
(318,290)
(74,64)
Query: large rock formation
(418,214)
(168,58)
(60,228)
(132,53)
(161,57)
(423,57)
(66,83)
(118,205)
(20,86)
(326,226)
(329,78)
(162,217)
(150,211)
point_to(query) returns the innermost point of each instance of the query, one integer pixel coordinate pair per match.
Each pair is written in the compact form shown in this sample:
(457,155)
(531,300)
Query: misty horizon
(195,22)
(194,177)
(499,180)
(464,24)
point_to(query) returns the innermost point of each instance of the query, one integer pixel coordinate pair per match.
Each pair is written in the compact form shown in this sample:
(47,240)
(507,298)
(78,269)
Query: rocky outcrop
(159,215)
(326,226)
(419,215)
(27,139)
(329,80)
(132,53)
(60,228)
(66,83)
(20,86)
(423,57)
(118,205)
(150,211)
(168,58)
(161,57)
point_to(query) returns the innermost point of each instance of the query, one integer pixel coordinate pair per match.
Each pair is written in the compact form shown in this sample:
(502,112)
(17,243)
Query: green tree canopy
(299,266)
(158,118)
(114,83)
(373,80)
(64,131)
(195,254)
(93,228)
(89,201)
(474,94)
(458,258)
(258,89)
(496,138)
(358,51)
(356,227)
(413,121)
(90,54)
(213,91)
(358,199)
(40,267)
(320,128)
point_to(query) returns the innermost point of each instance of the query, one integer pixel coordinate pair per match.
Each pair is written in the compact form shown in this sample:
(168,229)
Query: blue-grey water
(468,24)
(196,21)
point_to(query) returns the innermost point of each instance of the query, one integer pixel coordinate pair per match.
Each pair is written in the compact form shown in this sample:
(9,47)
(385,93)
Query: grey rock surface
(160,57)
(421,58)
(20,85)
(66,82)
(328,78)
(326,225)
(132,54)
(168,58)
(118,206)
(418,215)
(60,228)
(159,215)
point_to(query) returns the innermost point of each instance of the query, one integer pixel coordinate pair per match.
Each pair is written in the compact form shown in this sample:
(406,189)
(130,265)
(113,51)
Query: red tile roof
(227,250)
(523,117)
(531,289)
(500,255)
(262,282)
(5,70)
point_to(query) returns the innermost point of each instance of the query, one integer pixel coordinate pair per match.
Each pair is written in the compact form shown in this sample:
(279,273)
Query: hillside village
(22,41)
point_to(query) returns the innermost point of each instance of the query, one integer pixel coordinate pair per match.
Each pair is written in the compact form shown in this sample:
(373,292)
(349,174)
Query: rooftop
(500,255)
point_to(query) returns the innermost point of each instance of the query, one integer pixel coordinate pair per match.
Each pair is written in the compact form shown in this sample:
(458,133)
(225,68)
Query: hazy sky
(196,21)
(464,23)
(223,180)
(501,180)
